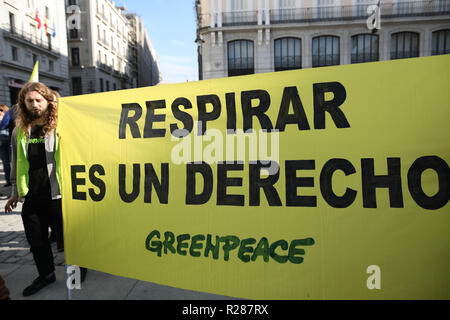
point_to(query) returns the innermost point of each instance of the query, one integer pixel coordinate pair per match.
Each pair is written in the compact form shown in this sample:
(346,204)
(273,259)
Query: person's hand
(11,204)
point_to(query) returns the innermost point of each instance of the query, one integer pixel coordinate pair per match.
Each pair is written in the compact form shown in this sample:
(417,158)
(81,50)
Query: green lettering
(181,245)
(195,245)
(169,239)
(155,245)
(230,243)
(36,140)
(284,245)
(262,249)
(209,247)
(244,249)
(295,251)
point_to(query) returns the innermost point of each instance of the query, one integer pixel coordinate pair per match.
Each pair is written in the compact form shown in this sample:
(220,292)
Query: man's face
(36,104)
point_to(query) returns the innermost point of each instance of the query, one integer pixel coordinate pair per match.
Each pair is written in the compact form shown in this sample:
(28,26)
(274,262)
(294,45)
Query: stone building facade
(30,31)
(238,37)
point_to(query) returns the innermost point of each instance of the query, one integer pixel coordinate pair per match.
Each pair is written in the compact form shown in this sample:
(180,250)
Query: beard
(34,115)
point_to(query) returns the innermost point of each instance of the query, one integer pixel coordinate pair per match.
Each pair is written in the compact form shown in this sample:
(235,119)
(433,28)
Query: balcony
(104,67)
(357,12)
(424,8)
(41,43)
(240,18)
(75,34)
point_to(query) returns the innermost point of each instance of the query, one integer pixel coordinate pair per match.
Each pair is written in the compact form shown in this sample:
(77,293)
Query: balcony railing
(75,34)
(355,12)
(104,67)
(423,8)
(240,18)
(20,34)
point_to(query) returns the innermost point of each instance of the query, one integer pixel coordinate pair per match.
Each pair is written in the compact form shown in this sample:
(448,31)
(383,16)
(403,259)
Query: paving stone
(5,233)
(22,253)
(9,238)
(5,255)
(12,259)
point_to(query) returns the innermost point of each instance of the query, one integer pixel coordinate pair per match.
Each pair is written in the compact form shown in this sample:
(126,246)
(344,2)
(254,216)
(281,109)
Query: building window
(51,66)
(75,56)
(289,11)
(441,42)
(101,85)
(240,58)
(404,45)
(35,58)
(325,51)
(326,9)
(360,8)
(73,33)
(364,48)
(73,2)
(288,54)
(76,86)
(12,23)
(49,42)
(14,53)
(441,5)
(33,32)
(107,85)
(239,12)
(238,5)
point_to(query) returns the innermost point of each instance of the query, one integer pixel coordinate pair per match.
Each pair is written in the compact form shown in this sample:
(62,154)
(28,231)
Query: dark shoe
(38,284)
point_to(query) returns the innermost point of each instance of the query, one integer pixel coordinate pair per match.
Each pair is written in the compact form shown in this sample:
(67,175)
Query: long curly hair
(24,120)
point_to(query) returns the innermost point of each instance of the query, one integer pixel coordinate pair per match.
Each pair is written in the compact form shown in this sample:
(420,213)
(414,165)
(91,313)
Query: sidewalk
(18,269)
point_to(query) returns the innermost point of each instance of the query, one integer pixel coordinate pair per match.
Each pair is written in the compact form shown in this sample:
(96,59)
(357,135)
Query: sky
(171,26)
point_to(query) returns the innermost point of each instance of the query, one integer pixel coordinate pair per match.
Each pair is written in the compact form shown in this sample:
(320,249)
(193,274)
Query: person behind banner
(5,149)
(35,176)
(12,118)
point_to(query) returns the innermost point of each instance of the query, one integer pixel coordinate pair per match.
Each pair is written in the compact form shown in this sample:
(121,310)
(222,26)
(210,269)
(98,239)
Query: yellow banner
(324,183)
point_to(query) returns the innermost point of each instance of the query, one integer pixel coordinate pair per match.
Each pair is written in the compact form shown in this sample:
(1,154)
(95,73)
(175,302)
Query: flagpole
(35,74)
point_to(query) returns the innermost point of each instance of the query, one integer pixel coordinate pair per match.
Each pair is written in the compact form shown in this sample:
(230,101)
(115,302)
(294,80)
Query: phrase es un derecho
(392,181)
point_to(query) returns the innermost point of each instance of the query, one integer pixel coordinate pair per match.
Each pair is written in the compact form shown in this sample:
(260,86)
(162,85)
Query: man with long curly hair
(35,176)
